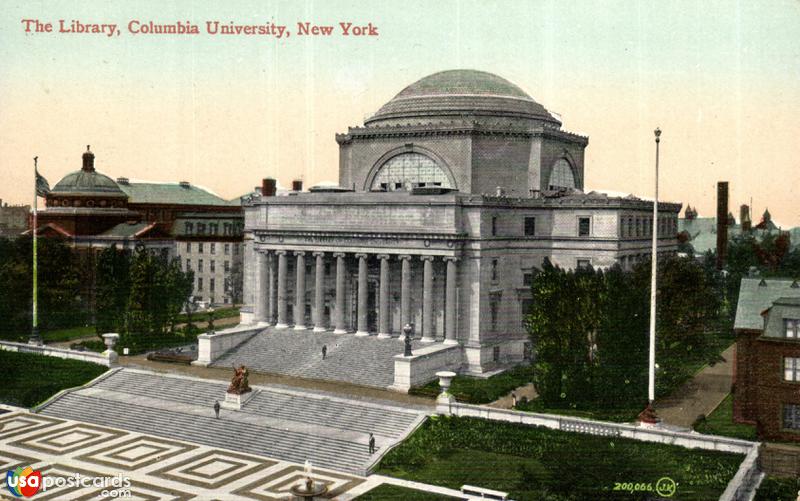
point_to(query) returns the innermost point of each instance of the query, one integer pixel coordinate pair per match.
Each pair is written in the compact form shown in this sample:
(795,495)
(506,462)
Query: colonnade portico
(273,296)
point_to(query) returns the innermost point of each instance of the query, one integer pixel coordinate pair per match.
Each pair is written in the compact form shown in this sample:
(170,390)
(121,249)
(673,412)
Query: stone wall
(83,356)
(423,365)
(211,346)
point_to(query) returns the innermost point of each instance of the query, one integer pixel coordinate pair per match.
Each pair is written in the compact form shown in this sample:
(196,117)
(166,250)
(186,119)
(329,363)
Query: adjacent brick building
(767,365)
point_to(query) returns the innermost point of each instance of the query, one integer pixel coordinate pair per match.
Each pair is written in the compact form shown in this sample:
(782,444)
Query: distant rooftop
(758,294)
(169,193)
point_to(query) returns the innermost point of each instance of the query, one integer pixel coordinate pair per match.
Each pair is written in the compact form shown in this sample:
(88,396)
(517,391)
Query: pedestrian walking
(324,351)
(216,408)
(371,444)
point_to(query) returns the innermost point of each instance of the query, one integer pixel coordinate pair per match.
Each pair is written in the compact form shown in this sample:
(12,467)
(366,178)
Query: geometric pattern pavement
(158,469)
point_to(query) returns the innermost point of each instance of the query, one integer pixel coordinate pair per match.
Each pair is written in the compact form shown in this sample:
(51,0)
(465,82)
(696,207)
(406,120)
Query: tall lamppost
(648,415)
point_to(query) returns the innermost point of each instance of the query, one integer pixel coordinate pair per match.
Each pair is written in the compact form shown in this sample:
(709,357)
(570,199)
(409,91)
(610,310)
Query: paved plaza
(158,468)
(363,361)
(285,424)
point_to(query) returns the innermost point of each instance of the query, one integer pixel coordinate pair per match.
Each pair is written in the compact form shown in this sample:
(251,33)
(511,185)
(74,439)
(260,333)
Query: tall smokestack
(268,187)
(722,224)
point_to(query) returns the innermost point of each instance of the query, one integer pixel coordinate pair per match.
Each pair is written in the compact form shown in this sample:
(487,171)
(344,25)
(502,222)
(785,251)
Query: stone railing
(212,346)
(741,487)
(588,426)
(746,481)
(108,358)
(424,363)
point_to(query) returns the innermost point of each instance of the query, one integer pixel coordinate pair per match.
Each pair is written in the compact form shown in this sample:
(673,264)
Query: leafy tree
(113,289)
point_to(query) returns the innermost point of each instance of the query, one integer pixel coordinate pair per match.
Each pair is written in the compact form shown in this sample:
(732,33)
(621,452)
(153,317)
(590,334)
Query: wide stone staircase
(284,424)
(364,361)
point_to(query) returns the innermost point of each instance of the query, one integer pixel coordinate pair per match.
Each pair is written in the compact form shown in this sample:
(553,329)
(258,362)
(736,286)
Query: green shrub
(481,391)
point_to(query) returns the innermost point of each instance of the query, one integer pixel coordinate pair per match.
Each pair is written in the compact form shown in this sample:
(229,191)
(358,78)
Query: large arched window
(561,176)
(407,171)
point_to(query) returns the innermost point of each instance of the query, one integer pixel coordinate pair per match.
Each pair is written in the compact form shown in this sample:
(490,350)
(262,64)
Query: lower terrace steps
(331,432)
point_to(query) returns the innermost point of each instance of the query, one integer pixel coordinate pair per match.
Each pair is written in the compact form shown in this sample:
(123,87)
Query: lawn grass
(202,316)
(617,415)
(542,464)
(30,379)
(720,422)
(474,390)
(388,491)
(778,489)
(60,335)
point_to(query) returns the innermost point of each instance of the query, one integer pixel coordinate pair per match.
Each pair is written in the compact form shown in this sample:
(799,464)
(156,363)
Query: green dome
(462,92)
(83,181)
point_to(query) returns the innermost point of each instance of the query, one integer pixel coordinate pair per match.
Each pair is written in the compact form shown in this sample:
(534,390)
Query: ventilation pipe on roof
(184,184)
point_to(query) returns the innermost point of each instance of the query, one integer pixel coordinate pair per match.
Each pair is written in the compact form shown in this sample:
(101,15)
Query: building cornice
(458,127)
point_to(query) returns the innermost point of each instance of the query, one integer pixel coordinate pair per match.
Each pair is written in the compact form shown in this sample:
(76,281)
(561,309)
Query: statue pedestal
(234,401)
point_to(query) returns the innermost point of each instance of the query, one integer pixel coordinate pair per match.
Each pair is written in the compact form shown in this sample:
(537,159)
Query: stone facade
(447,208)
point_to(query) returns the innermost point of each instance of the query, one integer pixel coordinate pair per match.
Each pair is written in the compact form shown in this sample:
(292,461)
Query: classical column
(428,336)
(363,328)
(405,292)
(319,306)
(450,302)
(272,311)
(260,297)
(339,327)
(300,292)
(281,290)
(383,300)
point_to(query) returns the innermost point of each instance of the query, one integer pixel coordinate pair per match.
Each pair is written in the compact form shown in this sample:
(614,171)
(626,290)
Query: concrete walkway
(225,374)
(700,395)
(527,391)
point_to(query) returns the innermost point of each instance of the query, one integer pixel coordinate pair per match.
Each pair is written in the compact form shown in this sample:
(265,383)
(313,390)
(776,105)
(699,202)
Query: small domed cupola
(88,160)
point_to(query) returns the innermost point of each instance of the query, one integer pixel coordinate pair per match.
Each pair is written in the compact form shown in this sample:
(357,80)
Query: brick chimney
(268,187)
(297,185)
(722,224)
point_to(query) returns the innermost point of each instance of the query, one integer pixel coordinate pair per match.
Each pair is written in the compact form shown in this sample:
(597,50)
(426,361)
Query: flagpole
(651,383)
(35,338)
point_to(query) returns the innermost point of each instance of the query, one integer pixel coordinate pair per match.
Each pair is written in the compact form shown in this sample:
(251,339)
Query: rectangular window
(213,248)
(791,416)
(630,227)
(791,369)
(200,247)
(188,228)
(494,226)
(213,228)
(530,226)
(212,266)
(227,266)
(792,326)
(199,283)
(227,249)
(494,269)
(584,263)
(236,248)
(211,284)
(527,278)
(188,246)
(201,228)
(327,269)
(188,264)
(496,354)
(200,265)
(584,226)
(493,306)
